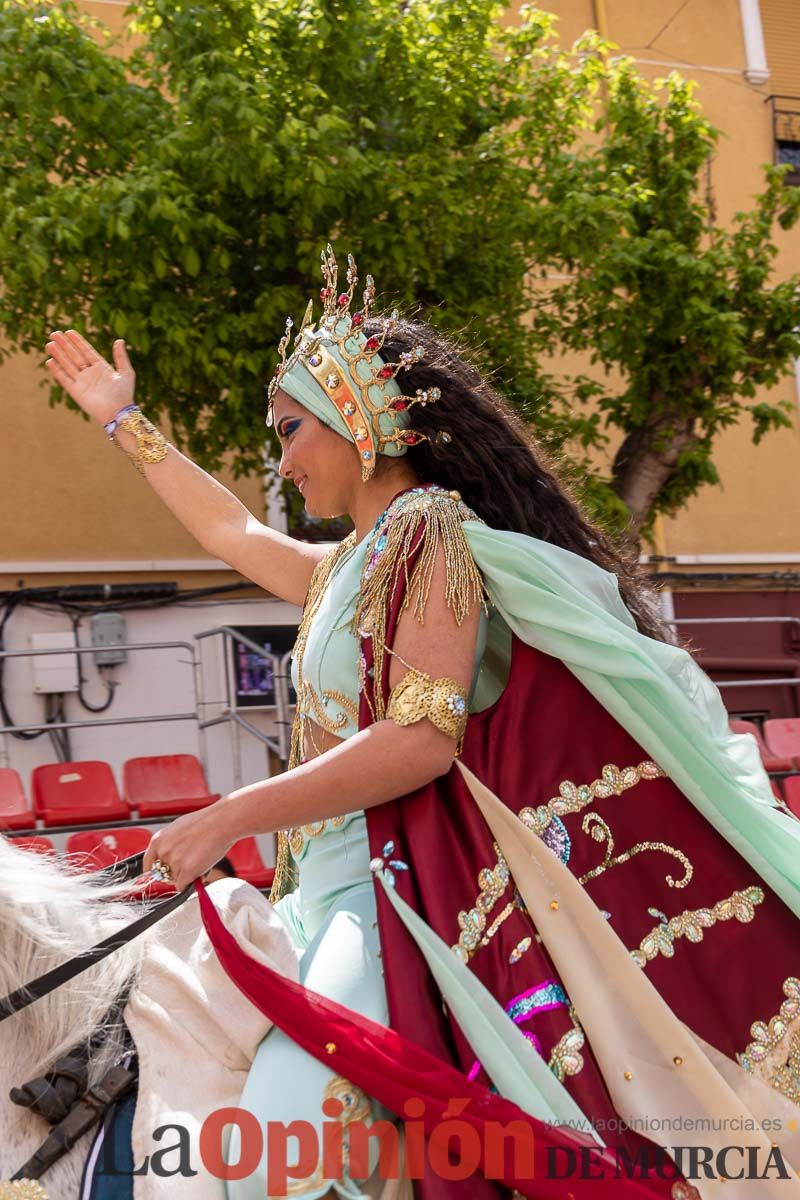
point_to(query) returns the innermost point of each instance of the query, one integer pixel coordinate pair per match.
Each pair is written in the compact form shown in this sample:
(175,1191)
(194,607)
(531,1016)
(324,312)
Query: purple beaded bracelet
(111,426)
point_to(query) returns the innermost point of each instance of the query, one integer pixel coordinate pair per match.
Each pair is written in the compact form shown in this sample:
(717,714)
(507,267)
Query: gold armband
(151,445)
(442,701)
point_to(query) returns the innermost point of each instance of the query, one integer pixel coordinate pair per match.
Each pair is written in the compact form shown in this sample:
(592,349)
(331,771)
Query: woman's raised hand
(100,389)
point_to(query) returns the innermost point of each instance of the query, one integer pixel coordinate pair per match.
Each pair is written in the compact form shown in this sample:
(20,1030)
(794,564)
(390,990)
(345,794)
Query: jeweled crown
(364,390)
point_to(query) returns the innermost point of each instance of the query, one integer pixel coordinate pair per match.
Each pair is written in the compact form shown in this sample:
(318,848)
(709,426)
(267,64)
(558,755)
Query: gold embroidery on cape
(774,1054)
(492,882)
(690,924)
(599,831)
(787,1078)
(572,798)
(565,1057)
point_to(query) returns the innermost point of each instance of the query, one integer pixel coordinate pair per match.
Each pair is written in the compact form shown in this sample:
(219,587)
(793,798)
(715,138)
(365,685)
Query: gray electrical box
(108,631)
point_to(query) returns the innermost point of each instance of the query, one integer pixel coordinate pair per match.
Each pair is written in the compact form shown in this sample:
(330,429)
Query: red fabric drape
(393,1070)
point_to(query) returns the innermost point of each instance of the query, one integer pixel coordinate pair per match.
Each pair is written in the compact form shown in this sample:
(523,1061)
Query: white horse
(180,999)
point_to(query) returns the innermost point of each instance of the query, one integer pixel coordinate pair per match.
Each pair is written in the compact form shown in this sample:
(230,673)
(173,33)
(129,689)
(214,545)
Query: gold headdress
(368,405)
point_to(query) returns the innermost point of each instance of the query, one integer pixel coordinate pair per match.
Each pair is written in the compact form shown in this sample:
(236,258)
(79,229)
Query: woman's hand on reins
(191,845)
(100,389)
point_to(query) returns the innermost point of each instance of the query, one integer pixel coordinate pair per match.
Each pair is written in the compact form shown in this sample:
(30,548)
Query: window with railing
(786,133)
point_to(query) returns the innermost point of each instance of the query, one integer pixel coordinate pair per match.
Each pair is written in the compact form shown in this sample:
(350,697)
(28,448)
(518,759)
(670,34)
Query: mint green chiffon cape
(571,608)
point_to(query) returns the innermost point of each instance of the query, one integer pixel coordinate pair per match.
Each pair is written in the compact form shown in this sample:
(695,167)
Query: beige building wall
(72,501)
(756,508)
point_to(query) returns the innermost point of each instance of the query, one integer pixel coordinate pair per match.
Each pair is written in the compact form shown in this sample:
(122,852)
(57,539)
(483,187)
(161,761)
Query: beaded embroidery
(311,704)
(298,836)
(22,1189)
(690,924)
(492,882)
(545,821)
(544,997)
(599,831)
(572,798)
(766,1056)
(565,1057)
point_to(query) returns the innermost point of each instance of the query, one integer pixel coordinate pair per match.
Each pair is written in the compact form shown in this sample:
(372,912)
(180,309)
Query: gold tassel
(444,514)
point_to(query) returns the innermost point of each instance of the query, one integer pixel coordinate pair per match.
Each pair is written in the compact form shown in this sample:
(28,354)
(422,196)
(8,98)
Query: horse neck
(49,915)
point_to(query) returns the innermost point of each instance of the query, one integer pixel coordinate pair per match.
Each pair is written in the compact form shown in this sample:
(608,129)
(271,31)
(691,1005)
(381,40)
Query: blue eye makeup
(289,426)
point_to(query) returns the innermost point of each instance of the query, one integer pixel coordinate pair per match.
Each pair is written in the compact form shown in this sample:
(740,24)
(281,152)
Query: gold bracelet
(151,445)
(442,701)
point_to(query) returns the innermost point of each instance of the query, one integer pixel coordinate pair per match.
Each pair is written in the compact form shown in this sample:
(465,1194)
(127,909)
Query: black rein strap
(126,868)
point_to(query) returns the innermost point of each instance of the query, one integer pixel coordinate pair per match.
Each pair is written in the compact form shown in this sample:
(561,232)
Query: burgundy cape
(545,729)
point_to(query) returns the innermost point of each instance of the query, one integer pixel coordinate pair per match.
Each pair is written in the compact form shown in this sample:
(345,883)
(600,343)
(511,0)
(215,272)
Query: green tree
(180,198)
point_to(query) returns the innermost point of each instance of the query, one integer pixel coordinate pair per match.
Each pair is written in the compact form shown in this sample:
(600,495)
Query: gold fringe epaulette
(443,514)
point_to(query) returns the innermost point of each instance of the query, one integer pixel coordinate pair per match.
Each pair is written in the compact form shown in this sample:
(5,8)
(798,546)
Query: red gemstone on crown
(400,405)
(385,373)
(358,319)
(411,439)
(343,300)
(372,343)
(324,293)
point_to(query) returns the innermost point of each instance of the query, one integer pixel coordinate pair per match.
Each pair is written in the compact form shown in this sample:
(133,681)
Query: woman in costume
(518,835)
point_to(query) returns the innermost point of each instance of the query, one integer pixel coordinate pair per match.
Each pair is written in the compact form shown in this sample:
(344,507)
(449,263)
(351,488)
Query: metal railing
(279,665)
(230,715)
(786,133)
(745,683)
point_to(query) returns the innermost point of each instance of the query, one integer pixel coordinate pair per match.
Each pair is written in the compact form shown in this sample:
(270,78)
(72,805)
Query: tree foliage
(179,198)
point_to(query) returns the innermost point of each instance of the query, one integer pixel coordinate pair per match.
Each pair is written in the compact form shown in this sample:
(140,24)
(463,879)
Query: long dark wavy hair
(496,464)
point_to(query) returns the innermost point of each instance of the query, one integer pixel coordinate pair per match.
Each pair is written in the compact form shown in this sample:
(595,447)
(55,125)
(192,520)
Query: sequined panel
(690,924)
(599,831)
(492,882)
(573,797)
(565,1057)
(774,1053)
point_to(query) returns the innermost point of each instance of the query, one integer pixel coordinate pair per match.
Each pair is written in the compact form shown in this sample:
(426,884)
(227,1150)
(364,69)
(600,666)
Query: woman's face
(322,465)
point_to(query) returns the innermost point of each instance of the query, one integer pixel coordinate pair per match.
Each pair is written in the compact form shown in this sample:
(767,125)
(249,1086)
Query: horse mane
(51,911)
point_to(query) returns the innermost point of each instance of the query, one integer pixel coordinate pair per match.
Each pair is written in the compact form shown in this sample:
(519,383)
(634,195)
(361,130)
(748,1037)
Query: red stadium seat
(166,785)
(15,812)
(782,735)
(36,845)
(776,791)
(249,864)
(103,847)
(791,793)
(97,849)
(72,792)
(771,761)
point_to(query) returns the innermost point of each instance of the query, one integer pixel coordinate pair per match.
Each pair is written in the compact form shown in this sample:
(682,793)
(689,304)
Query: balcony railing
(786,134)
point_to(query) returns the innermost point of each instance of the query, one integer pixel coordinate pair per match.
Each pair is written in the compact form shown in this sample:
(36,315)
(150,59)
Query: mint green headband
(337,373)
(299,383)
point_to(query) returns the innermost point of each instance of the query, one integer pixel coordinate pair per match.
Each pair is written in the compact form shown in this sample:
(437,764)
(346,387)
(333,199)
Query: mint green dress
(332,915)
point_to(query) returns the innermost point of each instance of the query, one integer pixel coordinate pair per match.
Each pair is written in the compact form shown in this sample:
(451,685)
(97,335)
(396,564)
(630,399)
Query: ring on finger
(161,871)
